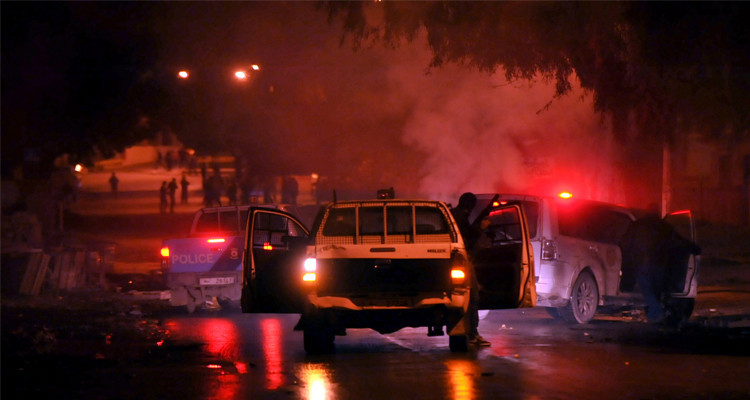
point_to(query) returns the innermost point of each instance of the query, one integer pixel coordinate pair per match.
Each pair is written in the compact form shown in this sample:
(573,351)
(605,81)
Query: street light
(183,74)
(243,74)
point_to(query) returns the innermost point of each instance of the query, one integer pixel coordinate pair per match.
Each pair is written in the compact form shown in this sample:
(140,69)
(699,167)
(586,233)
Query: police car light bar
(216,240)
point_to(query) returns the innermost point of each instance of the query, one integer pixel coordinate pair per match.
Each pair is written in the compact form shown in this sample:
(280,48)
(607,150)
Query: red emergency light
(165,251)
(216,240)
(566,195)
(267,246)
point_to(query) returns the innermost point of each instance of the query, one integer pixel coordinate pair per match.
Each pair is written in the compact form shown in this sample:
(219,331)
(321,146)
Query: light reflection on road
(272,349)
(461,373)
(221,337)
(316,381)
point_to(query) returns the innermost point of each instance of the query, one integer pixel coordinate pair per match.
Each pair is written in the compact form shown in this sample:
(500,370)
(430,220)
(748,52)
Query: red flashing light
(566,195)
(216,240)
(267,246)
(164,251)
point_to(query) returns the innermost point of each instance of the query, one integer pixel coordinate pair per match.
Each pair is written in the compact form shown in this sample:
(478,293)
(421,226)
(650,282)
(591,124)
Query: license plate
(217,281)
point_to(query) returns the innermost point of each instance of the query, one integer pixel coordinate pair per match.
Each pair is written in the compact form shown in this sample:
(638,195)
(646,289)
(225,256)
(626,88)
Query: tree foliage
(73,79)
(658,68)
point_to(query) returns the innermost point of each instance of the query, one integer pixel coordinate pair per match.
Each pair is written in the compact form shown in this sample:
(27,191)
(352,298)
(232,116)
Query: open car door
(683,272)
(272,262)
(505,267)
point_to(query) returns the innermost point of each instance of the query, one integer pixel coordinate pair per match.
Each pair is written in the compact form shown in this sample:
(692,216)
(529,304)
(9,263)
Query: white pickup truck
(382,264)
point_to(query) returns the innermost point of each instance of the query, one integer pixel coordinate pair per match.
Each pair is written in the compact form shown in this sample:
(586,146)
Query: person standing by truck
(470,234)
(649,247)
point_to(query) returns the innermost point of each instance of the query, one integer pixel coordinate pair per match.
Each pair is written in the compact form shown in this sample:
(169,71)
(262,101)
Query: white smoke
(480,133)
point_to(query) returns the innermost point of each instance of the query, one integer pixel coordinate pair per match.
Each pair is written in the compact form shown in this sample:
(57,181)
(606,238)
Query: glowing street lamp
(183,74)
(243,74)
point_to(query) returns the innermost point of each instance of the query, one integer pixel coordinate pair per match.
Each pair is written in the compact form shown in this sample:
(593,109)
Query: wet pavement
(98,343)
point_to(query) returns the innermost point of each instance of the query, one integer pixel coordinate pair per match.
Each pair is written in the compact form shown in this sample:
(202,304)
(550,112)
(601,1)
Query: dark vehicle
(381,264)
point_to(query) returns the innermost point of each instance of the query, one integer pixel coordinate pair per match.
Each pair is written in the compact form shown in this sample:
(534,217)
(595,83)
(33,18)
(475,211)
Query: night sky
(371,118)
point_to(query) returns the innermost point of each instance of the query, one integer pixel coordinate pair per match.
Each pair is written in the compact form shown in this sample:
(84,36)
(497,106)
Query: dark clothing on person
(232,192)
(651,249)
(289,190)
(184,183)
(470,234)
(113,183)
(163,197)
(213,189)
(172,192)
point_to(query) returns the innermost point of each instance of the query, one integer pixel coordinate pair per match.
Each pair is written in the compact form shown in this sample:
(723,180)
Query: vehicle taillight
(165,251)
(458,276)
(310,266)
(549,249)
(458,269)
(267,246)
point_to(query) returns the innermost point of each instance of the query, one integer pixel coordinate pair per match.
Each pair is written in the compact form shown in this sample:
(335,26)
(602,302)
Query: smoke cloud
(376,118)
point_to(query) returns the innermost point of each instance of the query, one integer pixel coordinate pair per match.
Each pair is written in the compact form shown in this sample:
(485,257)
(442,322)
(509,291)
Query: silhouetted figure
(184,183)
(163,197)
(268,190)
(470,234)
(246,189)
(650,247)
(213,189)
(113,184)
(232,192)
(289,190)
(172,192)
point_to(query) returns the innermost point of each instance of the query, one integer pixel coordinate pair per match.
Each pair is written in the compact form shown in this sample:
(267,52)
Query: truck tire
(458,343)
(678,311)
(318,340)
(584,299)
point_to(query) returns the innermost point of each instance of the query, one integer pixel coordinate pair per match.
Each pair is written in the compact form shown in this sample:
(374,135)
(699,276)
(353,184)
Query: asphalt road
(97,344)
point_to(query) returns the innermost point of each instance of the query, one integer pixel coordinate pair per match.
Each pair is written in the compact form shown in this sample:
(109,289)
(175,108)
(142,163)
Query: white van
(578,259)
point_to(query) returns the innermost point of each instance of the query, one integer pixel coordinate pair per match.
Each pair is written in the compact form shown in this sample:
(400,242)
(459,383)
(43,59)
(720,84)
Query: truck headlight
(310,266)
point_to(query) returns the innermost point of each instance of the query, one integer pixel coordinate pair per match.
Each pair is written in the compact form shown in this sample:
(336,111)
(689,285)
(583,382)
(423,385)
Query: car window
(228,221)
(399,220)
(505,225)
(273,229)
(531,209)
(592,222)
(208,222)
(429,220)
(340,222)
(371,220)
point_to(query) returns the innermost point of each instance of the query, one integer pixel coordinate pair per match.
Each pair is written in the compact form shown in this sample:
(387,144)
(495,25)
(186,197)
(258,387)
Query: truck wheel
(458,343)
(318,340)
(584,298)
(678,311)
